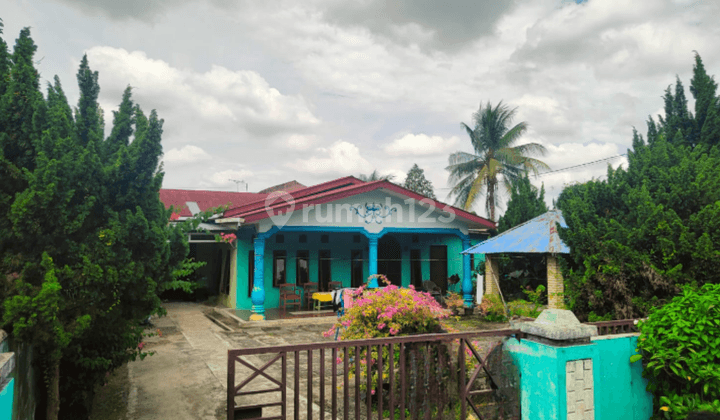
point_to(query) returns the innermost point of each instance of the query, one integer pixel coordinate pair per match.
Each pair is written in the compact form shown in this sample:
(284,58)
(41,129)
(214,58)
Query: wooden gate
(424,376)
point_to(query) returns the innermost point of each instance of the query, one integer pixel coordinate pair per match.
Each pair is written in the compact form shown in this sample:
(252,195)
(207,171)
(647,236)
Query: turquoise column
(467,272)
(373,252)
(258,292)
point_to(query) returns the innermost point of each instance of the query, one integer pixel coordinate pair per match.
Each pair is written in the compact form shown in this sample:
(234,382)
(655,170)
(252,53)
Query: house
(343,231)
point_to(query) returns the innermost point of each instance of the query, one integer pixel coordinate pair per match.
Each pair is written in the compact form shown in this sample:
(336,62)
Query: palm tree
(496,157)
(375,176)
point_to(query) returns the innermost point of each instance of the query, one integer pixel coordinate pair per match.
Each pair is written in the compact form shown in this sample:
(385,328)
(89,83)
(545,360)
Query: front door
(390,260)
(439,266)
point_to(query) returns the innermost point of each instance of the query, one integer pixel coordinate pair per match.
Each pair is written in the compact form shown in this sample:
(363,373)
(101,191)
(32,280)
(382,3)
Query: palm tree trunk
(491,199)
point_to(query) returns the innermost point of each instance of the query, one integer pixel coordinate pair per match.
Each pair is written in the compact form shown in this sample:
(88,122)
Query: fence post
(558,364)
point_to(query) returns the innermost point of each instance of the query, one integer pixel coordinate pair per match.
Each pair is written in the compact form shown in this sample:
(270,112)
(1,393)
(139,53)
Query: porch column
(372,251)
(556,287)
(492,275)
(258,292)
(467,272)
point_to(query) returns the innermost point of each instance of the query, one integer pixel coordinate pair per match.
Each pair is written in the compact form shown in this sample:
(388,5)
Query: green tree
(526,271)
(526,202)
(375,176)
(497,158)
(416,181)
(647,230)
(85,239)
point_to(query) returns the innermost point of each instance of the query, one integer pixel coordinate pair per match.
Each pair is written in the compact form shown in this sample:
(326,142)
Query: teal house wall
(618,386)
(340,245)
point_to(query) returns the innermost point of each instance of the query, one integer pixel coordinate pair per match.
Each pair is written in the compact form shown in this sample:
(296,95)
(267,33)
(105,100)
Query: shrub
(492,309)
(385,312)
(523,308)
(680,348)
(454,301)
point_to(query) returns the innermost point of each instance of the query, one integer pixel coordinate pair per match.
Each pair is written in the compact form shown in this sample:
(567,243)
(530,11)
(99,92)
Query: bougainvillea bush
(679,346)
(389,311)
(386,312)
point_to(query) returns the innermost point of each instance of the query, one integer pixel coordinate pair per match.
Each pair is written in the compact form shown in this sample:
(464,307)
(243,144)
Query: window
(324,239)
(280,239)
(251,271)
(302,267)
(415,269)
(324,269)
(356,268)
(279,271)
(303,239)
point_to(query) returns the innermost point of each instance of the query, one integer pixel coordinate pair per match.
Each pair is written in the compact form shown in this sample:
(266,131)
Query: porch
(299,255)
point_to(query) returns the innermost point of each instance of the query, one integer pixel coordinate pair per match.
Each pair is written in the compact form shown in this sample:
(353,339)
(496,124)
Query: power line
(583,164)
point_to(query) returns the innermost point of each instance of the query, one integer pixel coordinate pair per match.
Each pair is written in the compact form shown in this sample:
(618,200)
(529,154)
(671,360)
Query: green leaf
(635,357)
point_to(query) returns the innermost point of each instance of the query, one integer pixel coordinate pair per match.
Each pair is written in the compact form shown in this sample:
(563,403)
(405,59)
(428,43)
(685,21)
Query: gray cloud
(144,10)
(444,25)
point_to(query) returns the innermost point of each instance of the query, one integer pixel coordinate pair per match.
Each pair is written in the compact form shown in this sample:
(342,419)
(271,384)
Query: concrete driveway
(186,377)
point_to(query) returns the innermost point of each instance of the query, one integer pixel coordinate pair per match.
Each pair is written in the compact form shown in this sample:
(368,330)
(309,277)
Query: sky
(279,90)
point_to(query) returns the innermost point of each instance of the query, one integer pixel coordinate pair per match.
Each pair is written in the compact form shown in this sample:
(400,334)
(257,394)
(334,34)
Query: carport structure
(536,236)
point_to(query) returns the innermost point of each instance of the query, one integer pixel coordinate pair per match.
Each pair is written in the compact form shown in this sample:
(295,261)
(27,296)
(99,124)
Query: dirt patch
(110,402)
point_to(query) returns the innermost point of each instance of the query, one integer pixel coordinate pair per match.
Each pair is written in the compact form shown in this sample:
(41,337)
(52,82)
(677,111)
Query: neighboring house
(343,230)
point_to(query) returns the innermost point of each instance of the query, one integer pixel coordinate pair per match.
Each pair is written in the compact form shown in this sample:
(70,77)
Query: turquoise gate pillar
(372,264)
(567,372)
(7,385)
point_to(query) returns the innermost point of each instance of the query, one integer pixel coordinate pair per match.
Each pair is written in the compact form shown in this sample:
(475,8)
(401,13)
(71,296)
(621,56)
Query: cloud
(226,177)
(341,158)
(421,145)
(449,26)
(144,10)
(239,100)
(187,154)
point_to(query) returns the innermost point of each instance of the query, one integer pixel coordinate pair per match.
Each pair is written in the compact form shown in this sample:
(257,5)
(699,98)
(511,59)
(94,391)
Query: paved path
(186,377)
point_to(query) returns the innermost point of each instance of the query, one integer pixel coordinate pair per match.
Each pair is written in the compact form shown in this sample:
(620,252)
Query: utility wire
(583,164)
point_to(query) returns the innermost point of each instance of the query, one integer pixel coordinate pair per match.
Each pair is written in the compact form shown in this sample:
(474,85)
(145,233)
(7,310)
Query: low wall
(590,381)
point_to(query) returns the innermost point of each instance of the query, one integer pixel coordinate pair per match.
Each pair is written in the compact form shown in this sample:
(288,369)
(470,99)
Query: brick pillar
(492,275)
(556,287)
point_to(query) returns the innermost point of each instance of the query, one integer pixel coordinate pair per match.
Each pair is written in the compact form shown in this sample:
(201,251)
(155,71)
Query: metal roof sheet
(538,235)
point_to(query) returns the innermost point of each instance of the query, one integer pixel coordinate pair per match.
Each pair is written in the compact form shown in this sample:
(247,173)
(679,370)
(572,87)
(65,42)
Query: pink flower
(372,391)
(381,326)
(141,345)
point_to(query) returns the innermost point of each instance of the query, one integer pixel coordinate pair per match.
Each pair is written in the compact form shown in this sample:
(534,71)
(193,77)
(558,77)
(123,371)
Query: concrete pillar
(372,263)
(556,287)
(258,292)
(492,275)
(467,272)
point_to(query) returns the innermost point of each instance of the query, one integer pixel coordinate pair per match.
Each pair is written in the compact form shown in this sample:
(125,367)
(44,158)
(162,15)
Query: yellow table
(320,298)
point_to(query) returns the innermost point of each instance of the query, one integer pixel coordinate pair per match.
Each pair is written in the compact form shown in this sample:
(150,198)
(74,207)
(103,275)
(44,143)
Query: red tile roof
(338,189)
(206,199)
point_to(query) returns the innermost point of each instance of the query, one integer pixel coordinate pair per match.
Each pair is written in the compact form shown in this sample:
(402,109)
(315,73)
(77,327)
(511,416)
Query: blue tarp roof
(538,235)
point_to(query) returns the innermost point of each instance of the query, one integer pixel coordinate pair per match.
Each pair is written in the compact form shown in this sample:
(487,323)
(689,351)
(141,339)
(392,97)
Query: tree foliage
(84,239)
(497,158)
(639,235)
(526,202)
(375,176)
(522,274)
(416,181)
